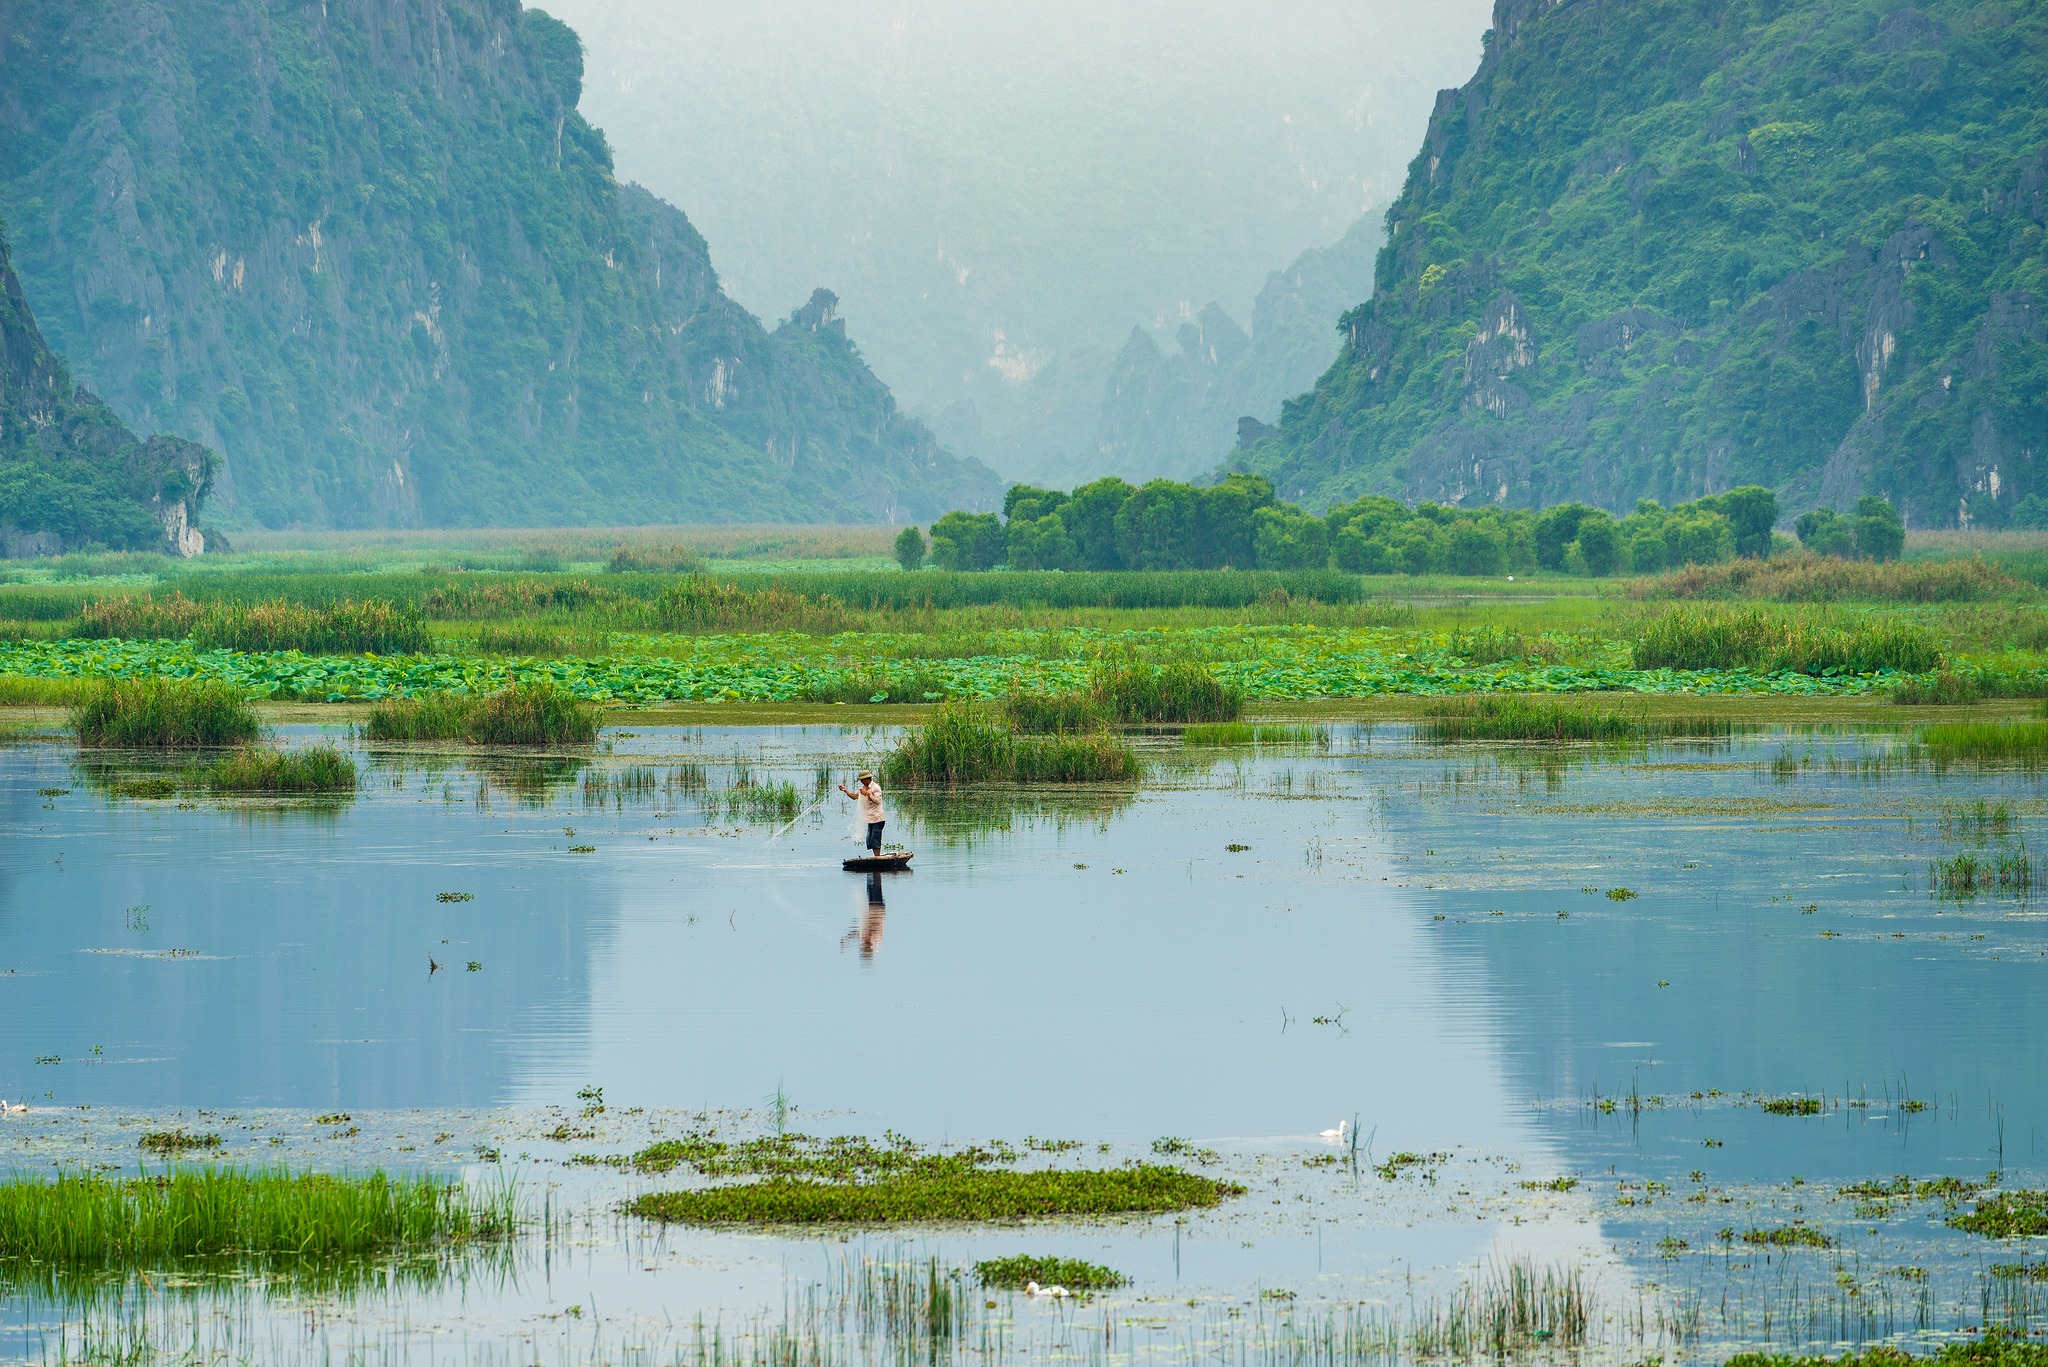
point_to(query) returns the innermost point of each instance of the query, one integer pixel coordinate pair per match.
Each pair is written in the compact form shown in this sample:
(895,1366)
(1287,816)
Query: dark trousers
(875,836)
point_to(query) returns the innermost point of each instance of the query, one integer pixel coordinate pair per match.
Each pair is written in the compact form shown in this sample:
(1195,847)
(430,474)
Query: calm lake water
(1593,965)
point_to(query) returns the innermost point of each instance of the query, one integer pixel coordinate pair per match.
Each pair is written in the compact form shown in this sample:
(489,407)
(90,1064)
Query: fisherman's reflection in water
(869,931)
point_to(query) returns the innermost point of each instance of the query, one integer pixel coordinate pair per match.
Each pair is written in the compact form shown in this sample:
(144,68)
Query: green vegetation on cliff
(374,256)
(1669,247)
(71,475)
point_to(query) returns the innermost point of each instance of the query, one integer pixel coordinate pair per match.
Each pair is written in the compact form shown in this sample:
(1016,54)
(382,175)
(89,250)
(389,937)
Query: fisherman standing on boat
(869,796)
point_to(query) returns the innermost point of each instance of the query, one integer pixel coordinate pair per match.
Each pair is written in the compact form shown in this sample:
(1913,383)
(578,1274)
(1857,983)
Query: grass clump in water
(975,1194)
(316,769)
(2008,871)
(1982,742)
(2006,1215)
(167,1142)
(960,743)
(1178,692)
(1790,1105)
(525,714)
(1514,717)
(86,1220)
(1784,1236)
(854,1180)
(1010,1274)
(1978,821)
(164,714)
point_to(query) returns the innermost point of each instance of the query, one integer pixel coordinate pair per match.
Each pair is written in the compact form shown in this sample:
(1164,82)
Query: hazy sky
(990,185)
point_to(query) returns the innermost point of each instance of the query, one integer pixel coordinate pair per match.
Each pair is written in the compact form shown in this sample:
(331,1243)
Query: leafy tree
(977,541)
(1041,543)
(1024,501)
(1826,532)
(1555,529)
(1599,544)
(1474,548)
(1156,528)
(1752,511)
(1090,519)
(1880,531)
(910,548)
(1289,539)
(1224,517)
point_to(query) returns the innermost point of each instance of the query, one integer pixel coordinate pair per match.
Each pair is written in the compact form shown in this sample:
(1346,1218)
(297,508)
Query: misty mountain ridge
(1664,249)
(1004,191)
(375,257)
(1142,411)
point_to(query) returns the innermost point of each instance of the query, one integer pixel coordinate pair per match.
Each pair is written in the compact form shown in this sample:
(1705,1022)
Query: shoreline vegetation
(647,624)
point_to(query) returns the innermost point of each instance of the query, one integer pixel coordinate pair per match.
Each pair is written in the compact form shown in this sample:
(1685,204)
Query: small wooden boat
(895,862)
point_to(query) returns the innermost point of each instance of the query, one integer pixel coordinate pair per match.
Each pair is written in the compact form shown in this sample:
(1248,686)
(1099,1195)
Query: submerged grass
(84,1219)
(976,1195)
(1514,717)
(1228,733)
(164,714)
(525,714)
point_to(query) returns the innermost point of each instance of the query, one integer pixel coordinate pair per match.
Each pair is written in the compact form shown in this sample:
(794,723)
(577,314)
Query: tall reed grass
(79,1218)
(525,714)
(1755,639)
(1178,692)
(701,603)
(962,743)
(1050,713)
(1829,579)
(164,714)
(349,627)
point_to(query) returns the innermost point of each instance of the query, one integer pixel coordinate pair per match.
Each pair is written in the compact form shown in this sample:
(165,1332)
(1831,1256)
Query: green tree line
(1238,523)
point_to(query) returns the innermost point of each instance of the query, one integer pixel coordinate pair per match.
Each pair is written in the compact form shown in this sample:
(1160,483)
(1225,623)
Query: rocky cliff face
(1664,249)
(370,251)
(71,475)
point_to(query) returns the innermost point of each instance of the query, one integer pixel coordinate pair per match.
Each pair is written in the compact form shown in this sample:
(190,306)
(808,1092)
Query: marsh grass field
(448,932)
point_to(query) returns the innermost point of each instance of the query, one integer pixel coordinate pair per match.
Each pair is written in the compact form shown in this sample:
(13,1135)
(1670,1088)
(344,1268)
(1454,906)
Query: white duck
(1056,1292)
(1336,1136)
